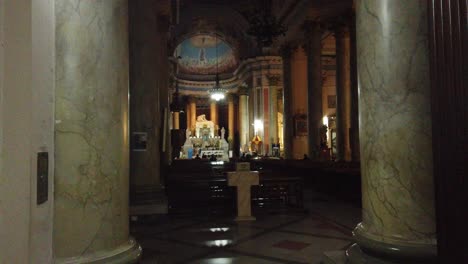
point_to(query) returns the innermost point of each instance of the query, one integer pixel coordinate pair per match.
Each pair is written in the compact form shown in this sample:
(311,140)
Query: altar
(205,143)
(204,128)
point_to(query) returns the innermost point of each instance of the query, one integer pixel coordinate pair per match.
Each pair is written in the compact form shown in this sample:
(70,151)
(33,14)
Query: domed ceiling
(198,55)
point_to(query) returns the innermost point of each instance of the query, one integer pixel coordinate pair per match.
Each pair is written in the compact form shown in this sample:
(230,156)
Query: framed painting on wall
(331,101)
(300,125)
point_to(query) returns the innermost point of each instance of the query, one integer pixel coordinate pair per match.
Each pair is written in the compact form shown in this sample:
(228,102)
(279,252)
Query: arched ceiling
(205,54)
(214,17)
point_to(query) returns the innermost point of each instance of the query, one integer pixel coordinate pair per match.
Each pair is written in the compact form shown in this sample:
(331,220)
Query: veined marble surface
(91,132)
(395,121)
(243,180)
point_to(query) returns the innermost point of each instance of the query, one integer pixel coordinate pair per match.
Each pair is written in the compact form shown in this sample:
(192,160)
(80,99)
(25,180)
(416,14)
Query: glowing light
(217,96)
(325,120)
(218,243)
(258,125)
(219,229)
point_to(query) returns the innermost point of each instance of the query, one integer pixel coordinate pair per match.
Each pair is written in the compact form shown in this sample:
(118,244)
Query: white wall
(26,127)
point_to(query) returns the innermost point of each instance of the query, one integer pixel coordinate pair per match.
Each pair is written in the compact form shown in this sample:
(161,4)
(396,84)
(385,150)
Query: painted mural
(198,55)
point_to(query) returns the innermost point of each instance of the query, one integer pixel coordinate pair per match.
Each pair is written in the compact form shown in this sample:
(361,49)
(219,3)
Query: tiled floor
(272,238)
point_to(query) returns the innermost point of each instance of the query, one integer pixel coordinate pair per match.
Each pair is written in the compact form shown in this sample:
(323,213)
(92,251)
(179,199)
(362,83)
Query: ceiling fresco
(198,55)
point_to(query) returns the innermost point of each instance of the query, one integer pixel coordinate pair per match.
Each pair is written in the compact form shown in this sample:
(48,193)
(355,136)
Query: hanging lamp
(217,92)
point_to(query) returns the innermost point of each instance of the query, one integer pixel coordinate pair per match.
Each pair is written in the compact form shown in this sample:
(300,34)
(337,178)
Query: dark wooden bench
(197,184)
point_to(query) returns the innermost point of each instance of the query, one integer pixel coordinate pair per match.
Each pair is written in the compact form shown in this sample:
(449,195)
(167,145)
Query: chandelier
(263,25)
(217,92)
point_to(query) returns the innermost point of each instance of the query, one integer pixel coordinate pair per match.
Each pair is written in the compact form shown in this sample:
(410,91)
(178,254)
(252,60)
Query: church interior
(217,132)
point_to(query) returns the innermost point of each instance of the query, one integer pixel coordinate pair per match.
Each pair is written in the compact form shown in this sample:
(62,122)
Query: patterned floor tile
(313,253)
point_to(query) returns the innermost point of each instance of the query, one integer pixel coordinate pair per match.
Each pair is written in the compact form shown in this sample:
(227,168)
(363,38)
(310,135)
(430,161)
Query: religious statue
(187,133)
(204,127)
(201,118)
(223,131)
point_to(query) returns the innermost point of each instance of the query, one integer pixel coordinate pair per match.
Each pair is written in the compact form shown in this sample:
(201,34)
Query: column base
(127,253)
(355,255)
(368,250)
(334,257)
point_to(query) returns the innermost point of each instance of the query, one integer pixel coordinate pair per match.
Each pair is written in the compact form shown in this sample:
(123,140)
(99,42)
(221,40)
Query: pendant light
(217,92)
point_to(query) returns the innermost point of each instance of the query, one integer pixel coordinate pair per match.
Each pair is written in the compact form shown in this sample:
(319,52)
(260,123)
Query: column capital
(243,89)
(191,99)
(273,79)
(286,50)
(230,97)
(312,27)
(340,28)
(312,33)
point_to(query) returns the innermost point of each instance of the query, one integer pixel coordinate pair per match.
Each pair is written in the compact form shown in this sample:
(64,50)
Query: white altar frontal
(205,143)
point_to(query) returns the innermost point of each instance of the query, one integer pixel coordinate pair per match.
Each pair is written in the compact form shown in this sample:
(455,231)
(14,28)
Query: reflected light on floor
(219,229)
(218,243)
(220,261)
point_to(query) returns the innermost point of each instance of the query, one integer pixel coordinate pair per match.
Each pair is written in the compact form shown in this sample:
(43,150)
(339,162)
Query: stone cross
(243,180)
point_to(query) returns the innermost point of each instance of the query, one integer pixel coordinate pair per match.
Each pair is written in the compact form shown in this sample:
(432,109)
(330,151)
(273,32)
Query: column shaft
(175,120)
(243,119)
(273,116)
(188,115)
(193,115)
(230,119)
(395,128)
(313,50)
(214,113)
(91,139)
(342,93)
(354,119)
(288,125)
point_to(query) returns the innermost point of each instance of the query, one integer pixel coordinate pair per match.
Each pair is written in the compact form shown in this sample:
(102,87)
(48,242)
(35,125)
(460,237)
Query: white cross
(243,180)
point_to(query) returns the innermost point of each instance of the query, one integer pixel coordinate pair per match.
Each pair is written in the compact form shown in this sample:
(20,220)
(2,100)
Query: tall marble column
(91,133)
(193,115)
(243,116)
(273,81)
(175,120)
(214,112)
(313,48)
(230,119)
(188,115)
(286,52)
(395,133)
(343,104)
(354,118)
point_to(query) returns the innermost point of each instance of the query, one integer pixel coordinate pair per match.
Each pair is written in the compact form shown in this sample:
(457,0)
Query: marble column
(343,104)
(175,120)
(354,118)
(286,52)
(91,133)
(188,115)
(243,116)
(193,115)
(230,119)
(273,83)
(313,48)
(214,112)
(395,132)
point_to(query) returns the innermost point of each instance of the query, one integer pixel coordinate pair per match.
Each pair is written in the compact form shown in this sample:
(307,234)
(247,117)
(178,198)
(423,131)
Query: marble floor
(272,238)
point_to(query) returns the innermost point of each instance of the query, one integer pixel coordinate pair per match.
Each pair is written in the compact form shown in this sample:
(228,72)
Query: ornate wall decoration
(198,55)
